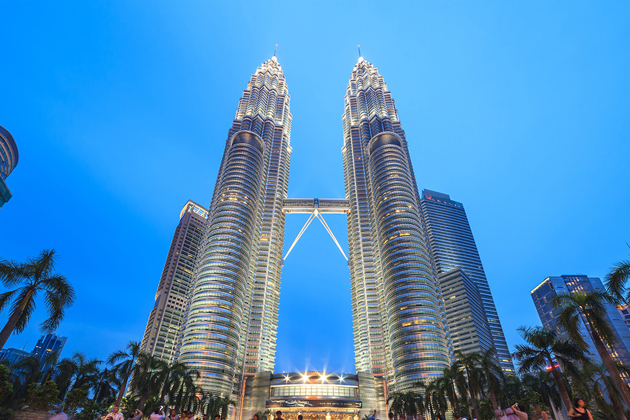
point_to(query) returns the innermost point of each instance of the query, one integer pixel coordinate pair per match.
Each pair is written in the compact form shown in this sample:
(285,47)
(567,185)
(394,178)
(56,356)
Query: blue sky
(121,110)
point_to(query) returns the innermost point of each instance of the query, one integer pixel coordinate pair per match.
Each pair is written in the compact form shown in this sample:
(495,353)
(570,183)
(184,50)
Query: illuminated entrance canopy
(316,207)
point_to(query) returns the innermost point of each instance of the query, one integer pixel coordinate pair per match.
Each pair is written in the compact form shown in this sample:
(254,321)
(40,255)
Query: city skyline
(151,215)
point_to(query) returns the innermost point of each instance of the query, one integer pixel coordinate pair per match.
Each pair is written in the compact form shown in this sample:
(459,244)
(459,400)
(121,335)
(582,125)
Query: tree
(123,362)
(591,306)
(617,280)
(467,363)
(36,275)
(42,397)
(145,380)
(543,346)
(493,375)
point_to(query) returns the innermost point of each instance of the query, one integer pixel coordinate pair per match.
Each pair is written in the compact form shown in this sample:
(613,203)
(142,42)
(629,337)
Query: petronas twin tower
(400,331)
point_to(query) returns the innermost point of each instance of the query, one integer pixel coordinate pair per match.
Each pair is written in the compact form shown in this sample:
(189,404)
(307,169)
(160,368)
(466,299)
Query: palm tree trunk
(10,325)
(473,399)
(493,400)
(611,367)
(121,393)
(561,388)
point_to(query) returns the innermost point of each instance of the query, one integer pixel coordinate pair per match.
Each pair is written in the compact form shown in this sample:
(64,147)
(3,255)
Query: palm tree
(103,389)
(543,346)
(468,364)
(493,375)
(574,308)
(145,379)
(172,376)
(449,378)
(436,391)
(616,281)
(123,363)
(36,275)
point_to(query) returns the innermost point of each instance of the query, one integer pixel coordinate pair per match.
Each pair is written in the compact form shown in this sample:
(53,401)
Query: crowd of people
(578,412)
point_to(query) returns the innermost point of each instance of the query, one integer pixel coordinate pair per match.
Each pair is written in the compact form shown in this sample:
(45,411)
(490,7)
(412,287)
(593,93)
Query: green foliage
(6,387)
(42,397)
(77,399)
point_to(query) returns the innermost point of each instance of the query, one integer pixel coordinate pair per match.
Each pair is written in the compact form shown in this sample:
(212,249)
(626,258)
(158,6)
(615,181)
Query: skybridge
(316,207)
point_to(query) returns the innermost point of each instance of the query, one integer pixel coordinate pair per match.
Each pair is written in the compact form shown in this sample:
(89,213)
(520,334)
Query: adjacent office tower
(8,161)
(551,286)
(398,330)
(47,344)
(232,317)
(169,311)
(453,247)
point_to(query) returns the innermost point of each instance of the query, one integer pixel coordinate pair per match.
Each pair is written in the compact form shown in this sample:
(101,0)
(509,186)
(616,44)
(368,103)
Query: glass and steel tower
(452,246)
(8,161)
(398,326)
(169,311)
(233,309)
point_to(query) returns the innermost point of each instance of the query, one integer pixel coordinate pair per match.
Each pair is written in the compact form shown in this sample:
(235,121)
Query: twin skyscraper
(419,291)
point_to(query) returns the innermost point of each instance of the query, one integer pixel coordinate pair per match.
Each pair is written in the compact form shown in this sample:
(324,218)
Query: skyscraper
(169,311)
(465,316)
(551,286)
(8,161)
(398,329)
(47,344)
(232,317)
(452,246)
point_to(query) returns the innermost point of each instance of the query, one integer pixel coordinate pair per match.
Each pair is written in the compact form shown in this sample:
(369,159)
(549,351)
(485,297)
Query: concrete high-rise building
(169,311)
(8,161)
(47,344)
(398,328)
(543,294)
(233,312)
(452,246)
(465,316)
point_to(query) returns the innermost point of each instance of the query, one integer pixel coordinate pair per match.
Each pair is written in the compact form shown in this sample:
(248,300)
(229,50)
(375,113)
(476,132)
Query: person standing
(579,411)
(279,415)
(115,414)
(172,416)
(539,414)
(59,414)
(136,415)
(158,414)
(373,416)
(513,413)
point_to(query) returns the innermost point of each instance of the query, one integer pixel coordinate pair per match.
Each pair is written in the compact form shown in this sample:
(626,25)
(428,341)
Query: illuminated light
(287,378)
(305,377)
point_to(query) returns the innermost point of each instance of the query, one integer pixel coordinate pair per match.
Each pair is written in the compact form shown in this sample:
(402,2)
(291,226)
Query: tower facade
(169,311)
(452,246)
(544,293)
(8,161)
(47,344)
(232,316)
(399,333)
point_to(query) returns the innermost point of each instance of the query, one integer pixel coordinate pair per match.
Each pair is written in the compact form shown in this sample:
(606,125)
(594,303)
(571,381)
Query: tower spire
(275,51)
(360,56)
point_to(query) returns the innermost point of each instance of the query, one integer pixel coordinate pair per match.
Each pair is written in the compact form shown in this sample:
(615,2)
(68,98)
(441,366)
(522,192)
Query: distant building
(13,355)
(47,344)
(624,312)
(8,162)
(165,320)
(551,286)
(452,246)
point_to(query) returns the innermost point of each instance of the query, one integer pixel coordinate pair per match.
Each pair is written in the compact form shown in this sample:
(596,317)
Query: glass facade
(8,161)
(551,286)
(232,317)
(398,329)
(452,246)
(169,311)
